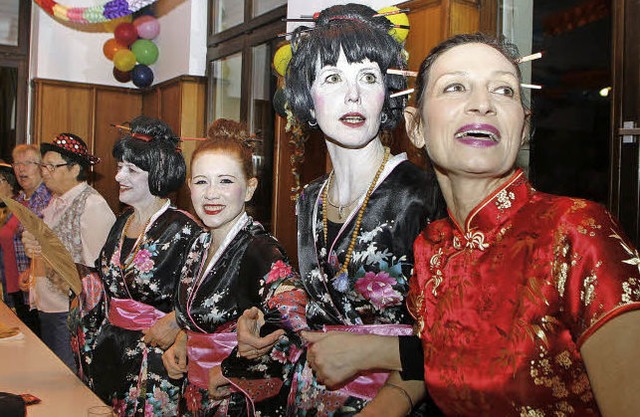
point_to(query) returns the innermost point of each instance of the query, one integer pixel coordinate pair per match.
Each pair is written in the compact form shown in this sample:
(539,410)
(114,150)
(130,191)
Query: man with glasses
(81,218)
(36,196)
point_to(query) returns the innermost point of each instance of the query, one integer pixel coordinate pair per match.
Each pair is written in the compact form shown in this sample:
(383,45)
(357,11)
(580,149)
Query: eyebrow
(464,73)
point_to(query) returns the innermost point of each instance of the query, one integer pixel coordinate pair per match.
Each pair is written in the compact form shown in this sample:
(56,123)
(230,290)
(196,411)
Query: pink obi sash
(132,315)
(206,350)
(367,384)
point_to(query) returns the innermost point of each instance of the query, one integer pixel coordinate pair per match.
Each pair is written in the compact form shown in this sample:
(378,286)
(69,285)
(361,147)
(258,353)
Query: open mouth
(477,134)
(353,118)
(212,209)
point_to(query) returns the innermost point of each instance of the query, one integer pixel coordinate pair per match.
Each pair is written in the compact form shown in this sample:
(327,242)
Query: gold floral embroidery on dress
(560,265)
(435,265)
(474,240)
(504,199)
(587,226)
(588,292)
(531,412)
(635,257)
(631,291)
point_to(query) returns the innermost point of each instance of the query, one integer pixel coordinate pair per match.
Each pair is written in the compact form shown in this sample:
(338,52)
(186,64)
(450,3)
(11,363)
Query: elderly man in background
(81,218)
(36,196)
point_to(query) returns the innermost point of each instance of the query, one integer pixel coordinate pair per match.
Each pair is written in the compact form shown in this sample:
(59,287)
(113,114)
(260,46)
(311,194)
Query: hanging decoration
(132,48)
(94,14)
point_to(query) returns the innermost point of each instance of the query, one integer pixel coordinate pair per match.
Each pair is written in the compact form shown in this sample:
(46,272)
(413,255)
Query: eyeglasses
(24,164)
(52,167)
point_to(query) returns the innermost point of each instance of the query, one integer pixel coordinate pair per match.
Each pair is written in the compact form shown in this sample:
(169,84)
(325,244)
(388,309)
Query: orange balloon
(110,48)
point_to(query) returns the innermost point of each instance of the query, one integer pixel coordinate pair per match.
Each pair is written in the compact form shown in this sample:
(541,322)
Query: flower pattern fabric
(127,373)
(212,302)
(506,301)
(371,292)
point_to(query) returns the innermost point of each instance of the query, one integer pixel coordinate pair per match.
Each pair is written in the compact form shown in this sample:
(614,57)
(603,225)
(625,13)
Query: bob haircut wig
(350,28)
(152,146)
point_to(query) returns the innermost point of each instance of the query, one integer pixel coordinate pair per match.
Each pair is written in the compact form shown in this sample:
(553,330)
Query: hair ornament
(398,29)
(402,93)
(528,58)
(126,130)
(404,73)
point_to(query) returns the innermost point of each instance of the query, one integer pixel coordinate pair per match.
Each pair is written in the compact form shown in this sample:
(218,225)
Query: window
(243,35)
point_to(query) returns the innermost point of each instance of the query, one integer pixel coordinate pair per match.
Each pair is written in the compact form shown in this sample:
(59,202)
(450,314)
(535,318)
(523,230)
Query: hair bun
(227,129)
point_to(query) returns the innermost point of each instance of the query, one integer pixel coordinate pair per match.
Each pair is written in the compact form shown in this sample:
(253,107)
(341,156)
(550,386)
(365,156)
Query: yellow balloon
(111,25)
(281,59)
(124,60)
(401,19)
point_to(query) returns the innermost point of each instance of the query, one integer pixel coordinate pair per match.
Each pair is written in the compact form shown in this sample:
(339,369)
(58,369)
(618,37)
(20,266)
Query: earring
(384,118)
(313,123)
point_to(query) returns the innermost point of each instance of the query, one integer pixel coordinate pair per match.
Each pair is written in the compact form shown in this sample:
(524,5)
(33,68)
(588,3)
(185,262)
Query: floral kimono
(127,373)
(210,298)
(371,293)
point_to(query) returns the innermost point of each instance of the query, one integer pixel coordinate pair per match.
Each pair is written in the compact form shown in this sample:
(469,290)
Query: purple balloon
(147,27)
(142,76)
(121,76)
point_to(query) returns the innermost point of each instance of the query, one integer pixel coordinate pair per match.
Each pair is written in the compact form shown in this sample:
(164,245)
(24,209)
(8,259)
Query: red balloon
(110,48)
(121,76)
(126,33)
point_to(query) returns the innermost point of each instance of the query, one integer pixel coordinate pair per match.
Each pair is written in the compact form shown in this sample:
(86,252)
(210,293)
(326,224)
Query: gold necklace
(139,240)
(340,208)
(354,235)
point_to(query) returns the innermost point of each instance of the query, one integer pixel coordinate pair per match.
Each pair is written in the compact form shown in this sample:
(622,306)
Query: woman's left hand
(219,387)
(163,333)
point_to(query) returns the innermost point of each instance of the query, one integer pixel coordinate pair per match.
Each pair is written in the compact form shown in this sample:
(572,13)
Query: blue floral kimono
(127,373)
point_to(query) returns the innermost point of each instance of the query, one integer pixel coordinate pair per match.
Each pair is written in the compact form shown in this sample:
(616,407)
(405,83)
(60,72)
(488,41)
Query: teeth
(478,134)
(352,119)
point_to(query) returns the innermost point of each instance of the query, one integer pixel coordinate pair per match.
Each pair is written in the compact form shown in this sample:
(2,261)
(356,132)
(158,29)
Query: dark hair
(7,173)
(71,161)
(507,49)
(152,146)
(352,29)
(232,138)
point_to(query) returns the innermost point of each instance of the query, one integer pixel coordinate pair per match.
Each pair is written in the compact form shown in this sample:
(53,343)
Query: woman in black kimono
(356,225)
(223,271)
(140,266)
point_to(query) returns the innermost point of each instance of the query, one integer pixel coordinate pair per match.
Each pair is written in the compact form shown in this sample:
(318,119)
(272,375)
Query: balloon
(147,26)
(124,60)
(146,51)
(281,59)
(111,25)
(123,77)
(126,33)
(142,76)
(401,19)
(110,48)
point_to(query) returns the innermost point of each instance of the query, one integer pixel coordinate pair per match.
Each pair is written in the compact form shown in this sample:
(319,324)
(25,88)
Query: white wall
(73,52)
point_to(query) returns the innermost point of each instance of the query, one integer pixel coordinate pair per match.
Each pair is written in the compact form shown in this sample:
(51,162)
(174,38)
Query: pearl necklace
(354,235)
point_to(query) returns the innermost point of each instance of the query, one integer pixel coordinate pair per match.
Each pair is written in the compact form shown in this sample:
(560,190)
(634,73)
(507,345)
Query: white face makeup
(219,190)
(348,101)
(134,184)
(474,121)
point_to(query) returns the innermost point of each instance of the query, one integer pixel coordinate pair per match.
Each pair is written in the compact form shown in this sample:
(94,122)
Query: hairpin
(531,86)
(402,93)
(528,58)
(404,73)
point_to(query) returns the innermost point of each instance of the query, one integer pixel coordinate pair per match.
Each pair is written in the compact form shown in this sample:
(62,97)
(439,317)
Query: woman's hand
(219,387)
(163,333)
(24,280)
(395,398)
(250,344)
(175,358)
(31,246)
(335,357)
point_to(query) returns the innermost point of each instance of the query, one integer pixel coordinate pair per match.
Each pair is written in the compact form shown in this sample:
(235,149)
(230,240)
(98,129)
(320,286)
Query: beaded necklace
(139,240)
(354,235)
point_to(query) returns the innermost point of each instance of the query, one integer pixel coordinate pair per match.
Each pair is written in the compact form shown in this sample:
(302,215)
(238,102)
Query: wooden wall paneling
(427,29)
(112,107)
(63,107)
(464,17)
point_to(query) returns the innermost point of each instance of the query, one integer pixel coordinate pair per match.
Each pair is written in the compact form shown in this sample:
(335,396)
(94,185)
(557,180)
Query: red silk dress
(505,303)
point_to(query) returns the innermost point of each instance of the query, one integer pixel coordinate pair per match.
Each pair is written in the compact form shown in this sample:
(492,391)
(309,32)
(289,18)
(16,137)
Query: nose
(480,101)
(353,93)
(211,192)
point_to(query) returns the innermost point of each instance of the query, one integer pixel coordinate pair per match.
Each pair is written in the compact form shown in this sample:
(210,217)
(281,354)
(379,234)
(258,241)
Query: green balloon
(146,51)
